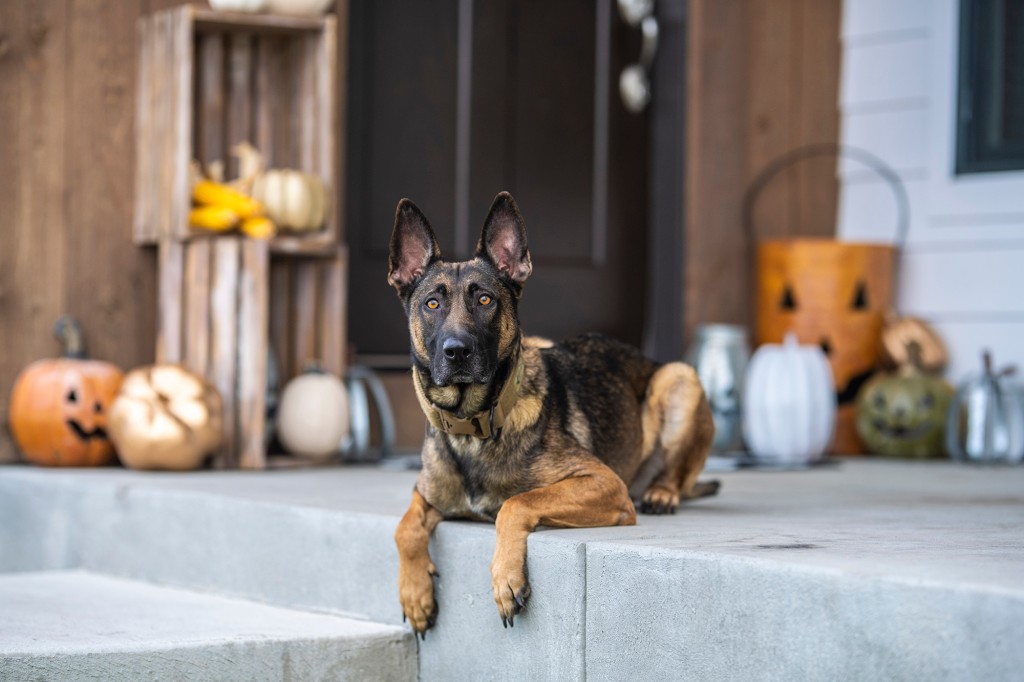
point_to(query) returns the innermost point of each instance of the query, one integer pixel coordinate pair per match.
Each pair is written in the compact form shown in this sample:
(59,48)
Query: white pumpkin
(789,408)
(248,6)
(165,417)
(294,200)
(299,8)
(313,417)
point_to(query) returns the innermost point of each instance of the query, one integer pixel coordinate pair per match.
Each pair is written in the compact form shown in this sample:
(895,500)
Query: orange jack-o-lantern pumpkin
(58,412)
(835,295)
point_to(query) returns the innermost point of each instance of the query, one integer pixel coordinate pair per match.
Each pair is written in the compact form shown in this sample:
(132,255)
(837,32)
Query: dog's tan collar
(487,423)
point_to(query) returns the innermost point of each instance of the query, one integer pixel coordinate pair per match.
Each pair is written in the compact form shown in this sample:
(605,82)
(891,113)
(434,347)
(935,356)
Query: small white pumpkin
(789,408)
(165,417)
(313,416)
(294,200)
(247,6)
(299,8)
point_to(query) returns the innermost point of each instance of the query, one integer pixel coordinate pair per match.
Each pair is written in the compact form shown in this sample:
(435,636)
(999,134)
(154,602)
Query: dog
(522,431)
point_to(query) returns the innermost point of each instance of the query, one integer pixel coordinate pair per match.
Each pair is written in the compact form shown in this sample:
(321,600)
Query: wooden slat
(334,279)
(325,58)
(182,57)
(171,269)
(339,118)
(224,338)
(219,22)
(143,225)
(33,91)
(197,306)
(253,316)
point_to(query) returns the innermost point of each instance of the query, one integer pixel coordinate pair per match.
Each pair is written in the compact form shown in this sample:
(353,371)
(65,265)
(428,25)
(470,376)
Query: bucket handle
(840,151)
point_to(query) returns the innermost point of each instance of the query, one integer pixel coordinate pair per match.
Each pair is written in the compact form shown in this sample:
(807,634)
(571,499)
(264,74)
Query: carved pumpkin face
(834,295)
(904,415)
(58,412)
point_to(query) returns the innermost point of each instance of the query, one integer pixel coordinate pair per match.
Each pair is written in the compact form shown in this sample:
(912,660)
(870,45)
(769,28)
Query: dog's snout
(457,348)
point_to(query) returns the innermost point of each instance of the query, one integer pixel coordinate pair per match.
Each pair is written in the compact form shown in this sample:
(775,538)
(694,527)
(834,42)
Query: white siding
(963,266)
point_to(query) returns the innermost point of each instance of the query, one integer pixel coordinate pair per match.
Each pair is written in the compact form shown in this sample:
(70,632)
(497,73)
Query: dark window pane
(990,132)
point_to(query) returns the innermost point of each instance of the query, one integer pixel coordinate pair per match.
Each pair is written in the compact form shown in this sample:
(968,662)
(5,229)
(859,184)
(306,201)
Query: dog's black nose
(457,348)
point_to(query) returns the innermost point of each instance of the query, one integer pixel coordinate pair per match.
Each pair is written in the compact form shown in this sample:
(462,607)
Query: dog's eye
(433,304)
(484,299)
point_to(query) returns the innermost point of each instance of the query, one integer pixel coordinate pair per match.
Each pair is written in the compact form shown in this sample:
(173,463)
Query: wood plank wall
(67,108)
(763,78)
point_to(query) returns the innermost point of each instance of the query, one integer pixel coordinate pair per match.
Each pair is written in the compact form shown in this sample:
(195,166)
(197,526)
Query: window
(990,120)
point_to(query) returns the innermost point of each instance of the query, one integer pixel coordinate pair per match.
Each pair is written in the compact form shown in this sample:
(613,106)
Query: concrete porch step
(75,625)
(865,571)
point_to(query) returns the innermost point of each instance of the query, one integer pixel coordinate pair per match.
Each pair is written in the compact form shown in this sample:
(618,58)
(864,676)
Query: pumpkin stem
(69,333)
(914,355)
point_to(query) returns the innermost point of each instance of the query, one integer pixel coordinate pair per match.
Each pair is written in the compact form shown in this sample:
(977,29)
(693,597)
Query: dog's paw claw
(658,500)
(511,592)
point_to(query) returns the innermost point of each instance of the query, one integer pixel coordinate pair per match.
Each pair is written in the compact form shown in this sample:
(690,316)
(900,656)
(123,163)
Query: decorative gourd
(299,8)
(986,418)
(165,417)
(293,200)
(900,331)
(250,6)
(58,412)
(789,408)
(312,417)
(904,414)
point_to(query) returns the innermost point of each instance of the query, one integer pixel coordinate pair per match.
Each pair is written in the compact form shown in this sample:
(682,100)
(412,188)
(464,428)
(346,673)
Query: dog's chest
(472,479)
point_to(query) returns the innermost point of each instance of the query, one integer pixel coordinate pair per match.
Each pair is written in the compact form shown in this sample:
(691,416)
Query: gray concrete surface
(73,625)
(871,569)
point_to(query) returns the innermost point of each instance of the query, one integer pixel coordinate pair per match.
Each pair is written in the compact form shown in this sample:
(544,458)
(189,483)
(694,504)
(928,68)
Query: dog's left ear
(503,240)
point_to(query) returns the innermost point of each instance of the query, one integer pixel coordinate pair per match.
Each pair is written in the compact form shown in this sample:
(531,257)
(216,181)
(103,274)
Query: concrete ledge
(81,626)
(870,570)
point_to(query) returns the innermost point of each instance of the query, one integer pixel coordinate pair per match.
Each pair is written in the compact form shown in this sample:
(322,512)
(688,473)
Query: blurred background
(631,134)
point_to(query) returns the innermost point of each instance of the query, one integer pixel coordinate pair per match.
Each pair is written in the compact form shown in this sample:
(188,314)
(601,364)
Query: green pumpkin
(904,414)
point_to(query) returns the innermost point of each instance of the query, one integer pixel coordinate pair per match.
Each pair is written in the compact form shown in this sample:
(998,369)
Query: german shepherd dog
(524,432)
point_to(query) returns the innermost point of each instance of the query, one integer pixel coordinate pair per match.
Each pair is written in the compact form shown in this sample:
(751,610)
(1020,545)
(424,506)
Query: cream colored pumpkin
(238,5)
(312,417)
(299,8)
(165,417)
(294,200)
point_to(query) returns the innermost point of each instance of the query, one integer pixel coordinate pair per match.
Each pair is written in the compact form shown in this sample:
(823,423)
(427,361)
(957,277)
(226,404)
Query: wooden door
(452,101)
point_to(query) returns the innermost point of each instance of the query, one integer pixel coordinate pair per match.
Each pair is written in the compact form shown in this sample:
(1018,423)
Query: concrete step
(865,571)
(75,625)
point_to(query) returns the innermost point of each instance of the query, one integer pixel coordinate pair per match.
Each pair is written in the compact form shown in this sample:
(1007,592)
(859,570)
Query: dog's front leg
(593,496)
(415,569)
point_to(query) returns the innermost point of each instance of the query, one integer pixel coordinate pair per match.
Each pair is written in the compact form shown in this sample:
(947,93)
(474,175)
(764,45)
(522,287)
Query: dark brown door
(452,101)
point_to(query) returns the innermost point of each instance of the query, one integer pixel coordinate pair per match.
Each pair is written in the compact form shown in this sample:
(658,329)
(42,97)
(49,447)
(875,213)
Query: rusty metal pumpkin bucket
(831,293)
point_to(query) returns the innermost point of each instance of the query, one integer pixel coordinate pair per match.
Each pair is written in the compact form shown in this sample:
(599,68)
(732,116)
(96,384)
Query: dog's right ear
(413,246)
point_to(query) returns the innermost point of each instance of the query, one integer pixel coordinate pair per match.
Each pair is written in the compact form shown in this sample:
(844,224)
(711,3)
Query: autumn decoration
(59,407)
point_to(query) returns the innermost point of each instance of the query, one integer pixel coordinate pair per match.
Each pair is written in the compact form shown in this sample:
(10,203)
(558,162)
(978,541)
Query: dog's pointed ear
(503,240)
(413,246)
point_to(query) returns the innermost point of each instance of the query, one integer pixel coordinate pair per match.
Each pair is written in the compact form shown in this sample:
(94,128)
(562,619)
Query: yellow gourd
(210,193)
(216,218)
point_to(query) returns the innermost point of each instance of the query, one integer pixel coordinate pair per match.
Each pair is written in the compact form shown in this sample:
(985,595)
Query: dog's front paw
(416,592)
(511,588)
(659,499)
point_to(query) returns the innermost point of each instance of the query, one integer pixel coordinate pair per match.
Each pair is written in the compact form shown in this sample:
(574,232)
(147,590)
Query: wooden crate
(209,80)
(225,303)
